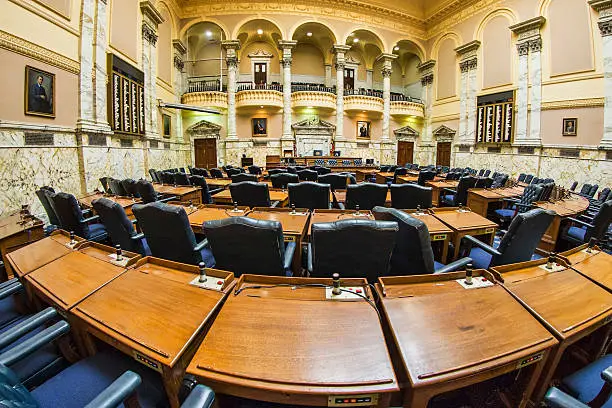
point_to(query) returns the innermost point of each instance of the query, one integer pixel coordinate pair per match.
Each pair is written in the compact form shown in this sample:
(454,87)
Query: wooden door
(205,153)
(443,155)
(405,152)
(261,77)
(349,78)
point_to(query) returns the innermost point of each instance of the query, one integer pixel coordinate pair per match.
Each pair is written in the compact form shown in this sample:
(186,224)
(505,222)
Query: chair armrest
(214,191)
(200,397)
(165,200)
(555,398)
(289,251)
(512,200)
(450,190)
(200,246)
(8,283)
(341,206)
(117,392)
(11,290)
(90,219)
(453,266)
(26,326)
(577,221)
(606,375)
(34,343)
(585,217)
(87,212)
(309,258)
(470,240)
(137,237)
(274,204)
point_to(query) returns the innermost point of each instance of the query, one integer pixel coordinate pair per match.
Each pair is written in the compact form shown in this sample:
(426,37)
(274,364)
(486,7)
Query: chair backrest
(352,248)
(246,245)
(484,182)
(146,191)
(216,173)
(528,178)
(322,170)
(499,181)
(200,181)
(400,171)
(593,190)
(366,195)
(254,170)
(203,173)
(40,193)
(487,173)
(181,179)
(308,175)
(336,181)
(69,213)
(601,221)
(237,178)
(153,175)
(425,176)
(291,169)
(521,177)
(120,229)
(250,194)
(574,185)
(531,193)
(604,195)
(523,236)
(232,171)
(280,180)
(481,172)
(272,172)
(117,188)
(14,393)
(105,184)
(465,183)
(309,194)
(407,196)
(129,185)
(168,233)
(167,177)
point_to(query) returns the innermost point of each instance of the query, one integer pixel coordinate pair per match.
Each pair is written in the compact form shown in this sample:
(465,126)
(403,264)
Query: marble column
(231,47)
(604,7)
(472,90)
(328,75)
(151,18)
(535,76)
(522,94)
(468,54)
(386,74)
(101,76)
(424,153)
(179,65)
(463,99)
(86,121)
(286,47)
(340,50)
(369,78)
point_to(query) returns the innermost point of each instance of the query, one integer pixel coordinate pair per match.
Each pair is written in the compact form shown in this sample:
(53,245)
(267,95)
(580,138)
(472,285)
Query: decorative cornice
(575,103)
(528,25)
(286,44)
(461,11)
(426,66)
(148,10)
(600,5)
(260,54)
(340,48)
(231,45)
(20,46)
(179,47)
(468,48)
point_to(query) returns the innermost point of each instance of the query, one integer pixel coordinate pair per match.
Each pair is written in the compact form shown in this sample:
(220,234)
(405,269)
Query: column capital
(427,79)
(468,50)
(535,45)
(468,64)
(528,28)
(178,63)
(148,33)
(286,45)
(150,13)
(523,48)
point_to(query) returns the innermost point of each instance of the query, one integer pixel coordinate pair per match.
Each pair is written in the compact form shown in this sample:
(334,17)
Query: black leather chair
(521,177)
(308,175)
(169,234)
(513,206)
(167,177)
(322,170)
(281,180)
(500,180)
(399,171)
(365,195)
(580,230)
(593,190)
(51,215)
(105,181)
(272,172)
(117,188)
(153,175)
(251,194)
(352,248)
(256,170)
(484,182)
(459,196)
(412,254)
(291,169)
(425,176)
(120,229)
(232,171)
(336,181)
(207,192)
(181,179)
(129,185)
(528,178)
(309,195)
(240,177)
(487,173)
(573,187)
(518,243)
(71,218)
(246,245)
(410,196)
(216,173)
(148,194)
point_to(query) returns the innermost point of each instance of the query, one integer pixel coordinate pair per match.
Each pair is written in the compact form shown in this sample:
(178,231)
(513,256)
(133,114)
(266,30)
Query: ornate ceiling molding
(575,103)
(461,10)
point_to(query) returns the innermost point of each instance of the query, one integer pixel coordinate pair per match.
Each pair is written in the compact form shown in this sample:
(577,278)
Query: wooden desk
(16,231)
(381,177)
(365,174)
(125,202)
(567,303)
(437,187)
(319,216)
(465,223)
(183,193)
(68,280)
(218,182)
(597,266)
(294,346)
(31,257)
(211,212)
(438,231)
(134,314)
(448,337)
(340,197)
(479,199)
(407,179)
(564,208)
(225,197)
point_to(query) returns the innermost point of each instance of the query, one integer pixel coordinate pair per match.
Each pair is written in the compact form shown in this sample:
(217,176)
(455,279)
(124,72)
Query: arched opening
(205,62)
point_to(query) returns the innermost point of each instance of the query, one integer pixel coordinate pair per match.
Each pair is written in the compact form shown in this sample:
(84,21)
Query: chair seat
(208,258)
(505,213)
(80,383)
(97,232)
(586,383)
(480,258)
(448,199)
(49,229)
(438,265)
(9,310)
(577,233)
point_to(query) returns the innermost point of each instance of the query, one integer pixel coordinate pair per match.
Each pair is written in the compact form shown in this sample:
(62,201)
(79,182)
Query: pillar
(340,51)
(369,78)
(468,63)
(179,82)
(286,47)
(328,75)
(231,47)
(150,20)
(386,74)
(86,121)
(604,7)
(424,152)
(101,77)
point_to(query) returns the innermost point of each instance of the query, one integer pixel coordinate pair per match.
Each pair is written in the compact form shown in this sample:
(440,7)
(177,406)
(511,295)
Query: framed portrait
(167,122)
(570,126)
(363,129)
(260,127)
(39,92)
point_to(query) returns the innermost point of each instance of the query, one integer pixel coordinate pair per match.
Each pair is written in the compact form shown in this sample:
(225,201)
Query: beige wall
(125,27)
(61,7)
(164,47)
(590,125)
(245,61)
(497,53)
(244,123)
(447,69)
(307,60)
(350,126)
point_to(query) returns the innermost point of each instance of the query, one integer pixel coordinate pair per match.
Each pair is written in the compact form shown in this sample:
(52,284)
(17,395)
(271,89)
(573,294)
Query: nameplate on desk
(438,237)
(530,360)
(463,211)
(478,282)
(555,267)
(298,213)
(211,282)
(155,365)
(290,238)
(347,293)
(72,245)
(365,400)
(123,262)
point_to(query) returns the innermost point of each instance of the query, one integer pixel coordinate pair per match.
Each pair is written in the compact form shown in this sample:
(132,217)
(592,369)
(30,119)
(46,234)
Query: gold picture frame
(570,127)
(39,96)
(364,129)
(259,127)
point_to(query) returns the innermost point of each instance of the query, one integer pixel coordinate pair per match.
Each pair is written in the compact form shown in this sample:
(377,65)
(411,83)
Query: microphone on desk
(72,240)
(236,207)
(592,243)
(202,267)
(292,208)
(551,261)
(357,210)
(336,282)
(468,274)
(119,253)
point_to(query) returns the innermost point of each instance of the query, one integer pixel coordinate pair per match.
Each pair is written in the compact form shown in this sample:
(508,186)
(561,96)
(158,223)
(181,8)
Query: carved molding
(605,27)
(529,28)
(469,49)
(386,72)
(461,11)
(232,62)
(406,132)
(204,129)
(149,11)
(426,66)
(468,65)
(260,54)
(600,5)
(363,102)
(20,46)
(149,34)
(523,48)
(304,99)
(444,132)
(258,97)
(576,103)
(178,63)
(179,47)
(206,99)
(405,108)
(535,45)
(427,79)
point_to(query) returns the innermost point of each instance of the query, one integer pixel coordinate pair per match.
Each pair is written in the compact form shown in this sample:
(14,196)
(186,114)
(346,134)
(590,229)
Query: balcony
(363,100)
(250,95)
(402,106)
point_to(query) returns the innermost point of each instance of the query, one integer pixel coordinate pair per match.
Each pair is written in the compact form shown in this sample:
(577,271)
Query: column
(286,47)
(231,58)
(604,7)
(468,54)
(101,111)
(328,75)
(463,99)
(535,76)
(369,78)
(86,121)
(150,20)
(472,91)
(179,65)
(522,94)
(340,51)
(427,79)
(386,74)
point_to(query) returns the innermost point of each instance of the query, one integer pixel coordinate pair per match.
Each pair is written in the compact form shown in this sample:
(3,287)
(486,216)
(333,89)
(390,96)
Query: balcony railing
(307,87)
(363,92)
(398,97)
(205,86)
(249,86)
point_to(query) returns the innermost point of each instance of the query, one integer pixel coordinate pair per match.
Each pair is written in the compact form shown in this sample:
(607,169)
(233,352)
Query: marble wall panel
(161,159)
(114,162)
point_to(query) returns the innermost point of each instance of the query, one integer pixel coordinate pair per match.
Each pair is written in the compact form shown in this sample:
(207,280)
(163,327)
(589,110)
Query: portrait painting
(39,92)
(570,126)
(363,129)
(260,127)
(167,122)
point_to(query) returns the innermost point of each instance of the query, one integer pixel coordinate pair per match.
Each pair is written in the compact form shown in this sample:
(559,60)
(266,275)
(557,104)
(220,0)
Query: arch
(220,24)
(435,48)
(419,47)
(173,19)
(506,12)
(247,20)
(543,7)
(296,26)
(496,51)
(372,31)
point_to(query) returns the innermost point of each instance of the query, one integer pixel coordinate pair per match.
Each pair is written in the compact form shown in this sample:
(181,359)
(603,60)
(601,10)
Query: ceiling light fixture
(261,106)
(309,34)
(396,48)
(259,31)
(209,33)
(356,40)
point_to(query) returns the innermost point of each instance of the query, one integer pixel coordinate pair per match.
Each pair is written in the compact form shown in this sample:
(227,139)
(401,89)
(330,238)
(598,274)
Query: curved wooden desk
(281,344)
(597,265)
(16,231)
(563,208)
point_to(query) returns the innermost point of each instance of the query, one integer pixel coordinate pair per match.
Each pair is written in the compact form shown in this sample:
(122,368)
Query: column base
(527,143)
(605,145)
(89,126)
